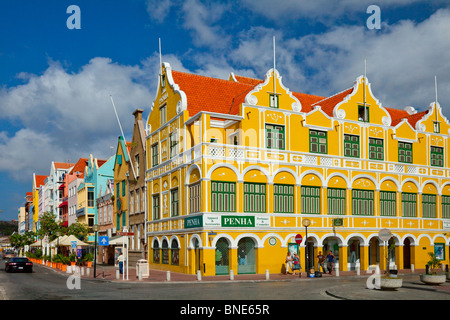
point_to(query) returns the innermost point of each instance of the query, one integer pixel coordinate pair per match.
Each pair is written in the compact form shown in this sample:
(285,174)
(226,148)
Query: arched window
(156,252)
(175,253)
(165,252)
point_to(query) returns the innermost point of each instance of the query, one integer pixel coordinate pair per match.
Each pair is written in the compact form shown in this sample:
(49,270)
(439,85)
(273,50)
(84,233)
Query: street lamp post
(306,223)
(95,249)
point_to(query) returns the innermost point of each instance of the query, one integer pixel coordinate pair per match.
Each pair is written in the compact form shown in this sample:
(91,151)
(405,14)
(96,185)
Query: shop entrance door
(222,257)
(246,256)
(407,254)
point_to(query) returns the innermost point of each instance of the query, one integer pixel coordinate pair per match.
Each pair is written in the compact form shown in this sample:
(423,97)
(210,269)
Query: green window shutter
(223,196)
(351,146)
(310,200)
(388,203)
(428,205)
(376,149)
(336,201)
(409,204)
(155,155)
(437,156)
(275,137)
(254,197)
(156,207)
(362,202)
(119,159)
(445,201)
(283,197)
(123,188)
(174,205)
(318,141)
(405,153)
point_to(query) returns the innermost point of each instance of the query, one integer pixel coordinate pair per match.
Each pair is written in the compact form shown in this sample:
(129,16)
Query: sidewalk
(109,273)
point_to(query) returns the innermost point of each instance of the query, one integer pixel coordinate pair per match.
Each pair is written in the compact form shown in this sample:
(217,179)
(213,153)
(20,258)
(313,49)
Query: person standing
(330,263)
(120,259)
(321,259)
(296,265)
(288,261)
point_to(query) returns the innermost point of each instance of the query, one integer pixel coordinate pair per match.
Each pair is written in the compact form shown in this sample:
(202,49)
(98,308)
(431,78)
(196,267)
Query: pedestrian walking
(330,263)
(321,262)
(296,266)
(288,261)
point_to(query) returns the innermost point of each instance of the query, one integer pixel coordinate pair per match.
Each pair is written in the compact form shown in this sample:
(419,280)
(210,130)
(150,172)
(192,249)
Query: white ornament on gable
(386,121)
(340,114)
(251,99)
(296,107)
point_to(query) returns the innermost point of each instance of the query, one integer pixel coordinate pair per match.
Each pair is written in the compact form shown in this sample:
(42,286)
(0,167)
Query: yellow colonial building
(234,168)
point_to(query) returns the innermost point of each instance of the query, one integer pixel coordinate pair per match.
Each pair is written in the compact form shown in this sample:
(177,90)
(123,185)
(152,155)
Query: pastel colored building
(236,167)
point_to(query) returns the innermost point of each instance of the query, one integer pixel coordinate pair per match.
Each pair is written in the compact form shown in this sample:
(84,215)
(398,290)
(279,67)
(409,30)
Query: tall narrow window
(376,149)
(317,141)
(283,198)
(436,127)
(336,201)
(310,200)
(405,152)
(351,145)
(173,141)
(91,201)
(362,202)
(156,214)
(163,114)
(254,197)
(445,207)
(388,203)
(428,205)
(363,113)
(194,198)
(136,161)
(409,204)
(174,203)
(223,196)
(437,156)
(274,101)
(155,154)
(274,137)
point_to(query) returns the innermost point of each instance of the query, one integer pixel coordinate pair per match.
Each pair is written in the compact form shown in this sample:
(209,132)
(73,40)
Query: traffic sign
(74,244)
(103,241)
(125,233)
(298,238)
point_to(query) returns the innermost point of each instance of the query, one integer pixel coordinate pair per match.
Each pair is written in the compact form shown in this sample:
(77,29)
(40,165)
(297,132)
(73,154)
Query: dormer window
(363,113)
(274,103)
(436,127)
(163,81)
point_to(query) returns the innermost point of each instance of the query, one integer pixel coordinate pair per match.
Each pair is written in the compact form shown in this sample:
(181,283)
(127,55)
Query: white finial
(160,58)
(435,88)
(274,83)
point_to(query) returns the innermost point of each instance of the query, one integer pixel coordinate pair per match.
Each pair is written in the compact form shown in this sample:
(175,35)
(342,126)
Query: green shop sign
(238,221)
(193,222)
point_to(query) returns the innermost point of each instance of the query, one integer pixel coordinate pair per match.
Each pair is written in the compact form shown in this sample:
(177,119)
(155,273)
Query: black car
(19,264)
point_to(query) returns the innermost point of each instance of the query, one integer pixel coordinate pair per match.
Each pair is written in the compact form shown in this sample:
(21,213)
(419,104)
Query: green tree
(48,226)
(79,230)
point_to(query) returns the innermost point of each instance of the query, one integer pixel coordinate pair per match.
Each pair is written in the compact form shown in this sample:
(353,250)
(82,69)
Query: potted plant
(88,258)
(433,277)
(390,281)
(73,259)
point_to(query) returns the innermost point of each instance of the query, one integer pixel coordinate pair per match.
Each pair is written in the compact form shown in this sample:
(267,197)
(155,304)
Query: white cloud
(69,115)
(159,9)
(200,19)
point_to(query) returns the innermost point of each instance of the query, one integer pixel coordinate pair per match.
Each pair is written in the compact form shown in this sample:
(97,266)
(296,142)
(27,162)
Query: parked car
(18,264)
(9,254)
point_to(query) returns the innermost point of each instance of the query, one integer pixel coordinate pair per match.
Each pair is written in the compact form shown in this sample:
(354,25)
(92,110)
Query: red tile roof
(225,96)
(79,166)
(209,94)
(63,165)
(40,180)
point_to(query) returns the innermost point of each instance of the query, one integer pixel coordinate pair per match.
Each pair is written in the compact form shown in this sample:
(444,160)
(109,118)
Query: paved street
(49,284)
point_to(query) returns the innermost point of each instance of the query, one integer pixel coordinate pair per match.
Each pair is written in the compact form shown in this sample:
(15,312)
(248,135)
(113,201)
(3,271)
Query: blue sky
(55,82)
